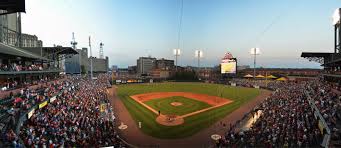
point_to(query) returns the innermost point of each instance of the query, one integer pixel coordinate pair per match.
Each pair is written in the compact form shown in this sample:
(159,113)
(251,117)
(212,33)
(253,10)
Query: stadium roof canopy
(319,57)
(58,50)
(12,6)
(15,51)
(61,50)
(315,54)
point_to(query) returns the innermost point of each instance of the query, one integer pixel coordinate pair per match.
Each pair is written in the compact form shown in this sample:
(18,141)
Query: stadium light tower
(337,30)
(176,53)
(198,54)
(74,46)
(254,52)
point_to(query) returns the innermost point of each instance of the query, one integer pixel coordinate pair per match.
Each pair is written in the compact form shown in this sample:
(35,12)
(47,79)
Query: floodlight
(199,53)
(176,52)
(336,16)
(255,51)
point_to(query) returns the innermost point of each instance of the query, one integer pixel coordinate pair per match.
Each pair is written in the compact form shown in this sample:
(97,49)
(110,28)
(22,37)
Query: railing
(326,139)
(26,115)
(30,72)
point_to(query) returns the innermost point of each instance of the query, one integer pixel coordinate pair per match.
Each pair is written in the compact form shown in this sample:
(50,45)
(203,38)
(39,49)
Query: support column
(335,39)
(339,39)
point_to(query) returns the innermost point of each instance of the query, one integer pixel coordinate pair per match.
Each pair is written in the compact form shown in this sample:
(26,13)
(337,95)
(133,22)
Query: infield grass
(188,105)
(193,124)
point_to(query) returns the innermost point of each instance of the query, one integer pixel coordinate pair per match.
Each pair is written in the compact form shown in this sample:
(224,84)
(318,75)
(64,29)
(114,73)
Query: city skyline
(282,30)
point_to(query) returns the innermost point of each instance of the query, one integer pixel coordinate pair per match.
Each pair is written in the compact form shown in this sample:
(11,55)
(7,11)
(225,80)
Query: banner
(29,115)
(41,105)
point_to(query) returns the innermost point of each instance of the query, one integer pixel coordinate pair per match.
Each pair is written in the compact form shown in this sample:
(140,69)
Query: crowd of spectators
(74,119)
(327,99)
(269,84)
(10,84)
(20,67)
(287,119)
(16,105)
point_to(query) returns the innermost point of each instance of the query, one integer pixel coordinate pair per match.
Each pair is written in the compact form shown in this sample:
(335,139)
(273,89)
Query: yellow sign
(102,108)
(41,105)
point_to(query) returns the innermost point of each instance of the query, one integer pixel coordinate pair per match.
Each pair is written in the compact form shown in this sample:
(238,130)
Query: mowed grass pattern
(193,124)
(188,105)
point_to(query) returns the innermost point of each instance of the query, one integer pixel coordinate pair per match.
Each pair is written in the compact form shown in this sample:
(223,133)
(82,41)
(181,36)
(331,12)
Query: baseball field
(185,108)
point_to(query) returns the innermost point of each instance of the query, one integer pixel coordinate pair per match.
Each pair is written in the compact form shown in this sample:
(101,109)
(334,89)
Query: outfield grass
(193,124)
(188,105)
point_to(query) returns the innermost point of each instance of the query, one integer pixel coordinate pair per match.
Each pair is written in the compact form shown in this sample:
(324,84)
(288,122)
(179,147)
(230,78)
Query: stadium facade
(80,63)
(23,59)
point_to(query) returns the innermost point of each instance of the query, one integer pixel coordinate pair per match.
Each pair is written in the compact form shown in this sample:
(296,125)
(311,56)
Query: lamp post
(254,52)
(176,53)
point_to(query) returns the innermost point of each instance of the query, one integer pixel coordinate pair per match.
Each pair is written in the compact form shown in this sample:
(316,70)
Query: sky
(133,28)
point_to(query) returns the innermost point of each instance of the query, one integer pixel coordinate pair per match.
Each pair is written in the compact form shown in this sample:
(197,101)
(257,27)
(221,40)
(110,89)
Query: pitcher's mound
(170,120)
(176,103)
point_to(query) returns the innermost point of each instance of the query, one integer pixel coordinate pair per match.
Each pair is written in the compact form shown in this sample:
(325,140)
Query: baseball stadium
(171,74)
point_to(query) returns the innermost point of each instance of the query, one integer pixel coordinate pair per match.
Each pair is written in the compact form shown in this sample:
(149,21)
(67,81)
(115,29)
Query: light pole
(176,53)
(198,54)
(91,73)
(254,52)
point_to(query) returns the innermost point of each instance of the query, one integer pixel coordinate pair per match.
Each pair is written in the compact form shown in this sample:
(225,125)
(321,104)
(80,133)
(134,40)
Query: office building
(145,65)
(164,64)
